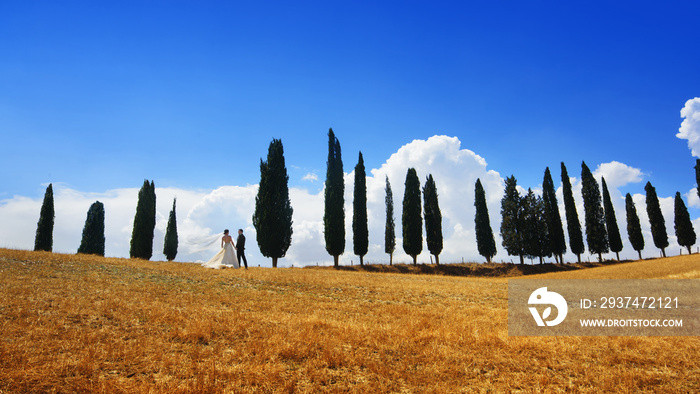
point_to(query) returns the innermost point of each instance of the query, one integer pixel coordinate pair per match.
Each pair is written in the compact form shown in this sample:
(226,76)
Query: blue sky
(98,96)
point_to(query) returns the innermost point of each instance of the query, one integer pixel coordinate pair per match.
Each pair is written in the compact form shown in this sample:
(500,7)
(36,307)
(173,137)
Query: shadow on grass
(471,269)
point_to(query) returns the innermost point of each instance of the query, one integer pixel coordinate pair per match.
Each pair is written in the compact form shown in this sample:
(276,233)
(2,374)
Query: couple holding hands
(227,257)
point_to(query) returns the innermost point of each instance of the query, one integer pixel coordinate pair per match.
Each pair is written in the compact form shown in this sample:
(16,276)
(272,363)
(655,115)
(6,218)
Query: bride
(226,256)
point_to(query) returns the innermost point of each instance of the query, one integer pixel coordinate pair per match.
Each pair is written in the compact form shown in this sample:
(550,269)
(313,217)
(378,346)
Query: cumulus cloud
(204,214)
(690,127)
(455,171)
(617,174)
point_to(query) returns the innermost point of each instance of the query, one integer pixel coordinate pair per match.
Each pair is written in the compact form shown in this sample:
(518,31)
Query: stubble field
(76,323)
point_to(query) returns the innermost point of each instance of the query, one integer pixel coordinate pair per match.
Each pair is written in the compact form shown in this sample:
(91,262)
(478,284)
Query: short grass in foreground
(83,323)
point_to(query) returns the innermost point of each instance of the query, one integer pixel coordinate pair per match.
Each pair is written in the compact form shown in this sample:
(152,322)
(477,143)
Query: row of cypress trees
(531,225)
(93,238)
(412,213)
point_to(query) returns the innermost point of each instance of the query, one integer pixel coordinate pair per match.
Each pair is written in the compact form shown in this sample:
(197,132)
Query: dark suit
(240,250)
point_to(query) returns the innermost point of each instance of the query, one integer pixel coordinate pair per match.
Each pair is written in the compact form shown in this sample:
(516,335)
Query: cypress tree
(634,228)
(433,218)
(485,242)
(596,235)
(170,244)
(611,223)
(360,232)
(573,225)
(144,223)
(656,219)
(44,227)
(697,175)
(334,211)
(512,220)
(93,241)
(273,209)
(390,227)
(684,227)
(554,225)
(535,234)
(412,222)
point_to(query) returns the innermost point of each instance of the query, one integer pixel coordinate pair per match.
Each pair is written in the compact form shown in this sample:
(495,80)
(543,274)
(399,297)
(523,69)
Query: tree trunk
(415,259)
(688,247)
(541,260)
(522,259)
(579,258)
(618,256)
(362,260)
(274,262)
(335,260)
(600,257)
(437,259)
(391,258)
(640,254)
(663,252)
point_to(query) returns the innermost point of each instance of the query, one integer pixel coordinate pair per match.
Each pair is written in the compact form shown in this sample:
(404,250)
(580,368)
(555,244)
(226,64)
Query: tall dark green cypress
(44,227)
(93,241)
(512,220)
(171,242)
(614,238)
(634,228)
(682,224)
(656,219)
(554,225)
(390,226)
(334,212)
(596,234)
(360,231)
(485,242)
(697,175)
(411,220)
(144,223)
(433,218)
(272,218)
(535,233)
(573,225)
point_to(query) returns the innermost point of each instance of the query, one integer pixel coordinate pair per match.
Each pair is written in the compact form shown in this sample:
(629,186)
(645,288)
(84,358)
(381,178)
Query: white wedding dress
(226,258)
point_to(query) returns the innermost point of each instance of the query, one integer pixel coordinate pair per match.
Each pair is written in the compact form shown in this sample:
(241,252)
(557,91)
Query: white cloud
(617,174)
(690,127)
(204,214)
(311,177)
(455,171)
(693,198)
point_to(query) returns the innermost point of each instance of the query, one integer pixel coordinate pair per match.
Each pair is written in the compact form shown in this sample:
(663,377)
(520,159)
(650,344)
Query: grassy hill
(83,323)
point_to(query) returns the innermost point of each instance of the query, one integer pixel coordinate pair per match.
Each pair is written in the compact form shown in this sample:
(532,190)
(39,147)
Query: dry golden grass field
(76,323)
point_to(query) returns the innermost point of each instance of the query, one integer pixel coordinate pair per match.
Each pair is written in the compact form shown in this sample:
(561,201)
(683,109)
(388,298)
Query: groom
(240,248)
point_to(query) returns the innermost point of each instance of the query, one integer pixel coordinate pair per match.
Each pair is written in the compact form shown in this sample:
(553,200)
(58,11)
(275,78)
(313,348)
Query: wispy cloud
(311,177)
